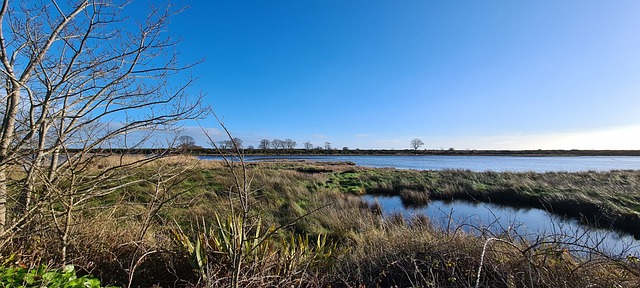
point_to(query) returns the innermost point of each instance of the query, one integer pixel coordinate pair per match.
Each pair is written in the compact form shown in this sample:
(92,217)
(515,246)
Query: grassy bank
(307,226)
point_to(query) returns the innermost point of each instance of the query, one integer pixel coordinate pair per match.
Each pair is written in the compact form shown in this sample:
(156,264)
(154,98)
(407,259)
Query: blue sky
(376,74)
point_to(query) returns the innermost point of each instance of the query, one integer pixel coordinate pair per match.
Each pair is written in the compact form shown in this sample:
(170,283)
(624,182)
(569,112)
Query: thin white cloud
(623,138)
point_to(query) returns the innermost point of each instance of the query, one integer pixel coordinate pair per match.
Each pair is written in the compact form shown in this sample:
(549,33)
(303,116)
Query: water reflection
(495,220)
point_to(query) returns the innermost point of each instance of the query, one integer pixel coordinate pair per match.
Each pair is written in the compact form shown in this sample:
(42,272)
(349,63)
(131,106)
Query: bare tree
(225,144)
(307,145)
(289,144)
(79,80)
(186,141)
(277,144)
(237,142)
(327,145)
(416,143)
(264,144)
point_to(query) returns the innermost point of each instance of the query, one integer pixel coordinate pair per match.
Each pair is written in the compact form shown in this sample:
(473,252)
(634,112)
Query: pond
(491,219)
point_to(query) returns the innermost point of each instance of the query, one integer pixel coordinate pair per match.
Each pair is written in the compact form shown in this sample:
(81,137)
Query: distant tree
(225,144)
(186,141)
(264,144)
(250,147)
(327,145)
(289,144)
(237,142)
(416,143)
(277,144)
(307,145)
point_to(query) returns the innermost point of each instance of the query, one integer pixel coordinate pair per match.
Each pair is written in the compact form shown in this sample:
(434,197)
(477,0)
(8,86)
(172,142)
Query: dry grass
(310,199)
(401,254)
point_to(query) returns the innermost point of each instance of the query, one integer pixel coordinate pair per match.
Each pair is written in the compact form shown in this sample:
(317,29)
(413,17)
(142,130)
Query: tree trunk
(3,197)
(8,129)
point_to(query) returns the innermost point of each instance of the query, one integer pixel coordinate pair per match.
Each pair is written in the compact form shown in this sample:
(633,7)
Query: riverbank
(432,152)
(308,226)
(201,151)
(472,163)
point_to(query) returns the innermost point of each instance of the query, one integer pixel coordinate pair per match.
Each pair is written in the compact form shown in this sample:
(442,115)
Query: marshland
(185,222)
(105,105)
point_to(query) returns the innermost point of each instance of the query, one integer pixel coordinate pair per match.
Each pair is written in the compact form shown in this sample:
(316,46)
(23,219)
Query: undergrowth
(44,276)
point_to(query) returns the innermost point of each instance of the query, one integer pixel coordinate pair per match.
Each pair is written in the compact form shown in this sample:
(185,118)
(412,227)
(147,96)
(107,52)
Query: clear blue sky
(463,74)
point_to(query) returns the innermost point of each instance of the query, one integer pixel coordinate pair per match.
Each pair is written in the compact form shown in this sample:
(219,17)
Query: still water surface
(491,219)
(478,163)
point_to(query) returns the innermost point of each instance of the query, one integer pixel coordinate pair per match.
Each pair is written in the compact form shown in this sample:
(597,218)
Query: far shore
(200,151)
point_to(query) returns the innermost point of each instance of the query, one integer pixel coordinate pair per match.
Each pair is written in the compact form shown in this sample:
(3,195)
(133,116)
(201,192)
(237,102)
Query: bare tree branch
(77,79)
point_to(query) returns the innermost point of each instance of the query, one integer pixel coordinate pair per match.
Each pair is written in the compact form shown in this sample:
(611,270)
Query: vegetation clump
(43,276)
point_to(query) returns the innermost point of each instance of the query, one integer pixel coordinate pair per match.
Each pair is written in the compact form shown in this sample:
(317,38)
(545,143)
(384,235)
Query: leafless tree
(225,144)
(79,79)
(416,143)
(237,142)
(186,141)
(327,145)
(289,144)
(264,144)
(308,145)
(277,144)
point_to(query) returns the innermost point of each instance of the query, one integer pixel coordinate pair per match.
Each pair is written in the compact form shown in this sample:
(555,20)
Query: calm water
(491,219)
(479,163)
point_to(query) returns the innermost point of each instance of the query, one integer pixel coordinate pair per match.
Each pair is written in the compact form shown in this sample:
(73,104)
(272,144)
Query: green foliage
(300,251)
(263,253)
(43,276)
(224,242)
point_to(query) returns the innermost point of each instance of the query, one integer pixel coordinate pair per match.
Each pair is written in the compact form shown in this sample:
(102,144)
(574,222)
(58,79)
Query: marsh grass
(322,201)
(412,253)
(604,199)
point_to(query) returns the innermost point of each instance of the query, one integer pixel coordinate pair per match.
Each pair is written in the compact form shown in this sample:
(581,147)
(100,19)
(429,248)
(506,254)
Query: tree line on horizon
(186,141)
(289,144)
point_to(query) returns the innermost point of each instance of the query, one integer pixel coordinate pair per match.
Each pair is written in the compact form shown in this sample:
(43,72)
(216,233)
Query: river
(478,163)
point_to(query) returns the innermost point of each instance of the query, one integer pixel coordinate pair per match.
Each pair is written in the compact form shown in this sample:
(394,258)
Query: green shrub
(42,276)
